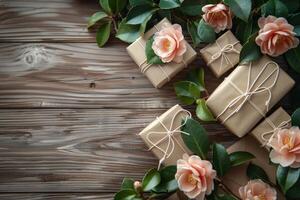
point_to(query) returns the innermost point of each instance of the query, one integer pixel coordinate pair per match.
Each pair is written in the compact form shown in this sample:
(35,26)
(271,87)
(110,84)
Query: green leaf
(103,33)
(226,197)
(125,195)
(203,112)
(256,172)
(287,177)
(152,58)
(119,5)
(134,3)
(240,157)
(240,8)
(245,30)
(294,193)
(128,33)
(169,4)
(294,19)
(187,92)
(138,14)
(197,140)
(151,180)
(192,29)
(292,5)
(296,118)
(205,32)
(197,76)
(144,25)
(293,58)
(127,184)
(191,7)
(105,6)
(95,18)
(250,51)
(275,8)
(221,160)
(168,183)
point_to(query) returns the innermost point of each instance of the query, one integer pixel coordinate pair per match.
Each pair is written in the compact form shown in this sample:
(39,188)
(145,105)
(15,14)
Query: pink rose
(275,36)
(217,16)
(195,176)
(257,189)
(169,44)
(286,147)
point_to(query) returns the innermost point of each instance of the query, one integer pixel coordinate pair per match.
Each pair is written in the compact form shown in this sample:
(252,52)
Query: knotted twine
(228,48)
(245,96)
(167,135)
(144,66)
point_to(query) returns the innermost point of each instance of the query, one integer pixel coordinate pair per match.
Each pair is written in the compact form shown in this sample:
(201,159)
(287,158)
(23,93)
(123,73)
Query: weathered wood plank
(40,20)
(76,150)
(79,75)
(57,196)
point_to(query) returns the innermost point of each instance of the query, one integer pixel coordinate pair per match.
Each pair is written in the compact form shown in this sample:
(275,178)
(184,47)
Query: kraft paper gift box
(223,54)
(156,136)
(237,176)
(158,74)
(277,120)
(247,94)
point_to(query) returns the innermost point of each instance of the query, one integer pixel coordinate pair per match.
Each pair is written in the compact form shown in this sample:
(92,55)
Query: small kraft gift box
(267,129)
(247,94)
(163,136)
(237,176)
(223,54)
(163,73)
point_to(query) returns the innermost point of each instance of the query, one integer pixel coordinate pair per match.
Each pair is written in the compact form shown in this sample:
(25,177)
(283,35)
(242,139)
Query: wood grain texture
(57,196)
(79,75)
(69,150)
(40,20)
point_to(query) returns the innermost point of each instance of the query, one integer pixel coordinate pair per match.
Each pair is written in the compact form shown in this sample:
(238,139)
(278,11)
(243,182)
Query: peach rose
(169,44)
(217,16)
(276,36)
(257,190)
(286,147)
(195,176)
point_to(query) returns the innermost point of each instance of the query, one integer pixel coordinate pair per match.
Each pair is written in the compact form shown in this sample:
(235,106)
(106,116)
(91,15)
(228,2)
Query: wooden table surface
(70,111)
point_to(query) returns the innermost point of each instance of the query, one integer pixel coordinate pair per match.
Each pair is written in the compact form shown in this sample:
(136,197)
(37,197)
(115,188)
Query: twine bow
(245,96)
(168,135)
(274,131)
(223,54)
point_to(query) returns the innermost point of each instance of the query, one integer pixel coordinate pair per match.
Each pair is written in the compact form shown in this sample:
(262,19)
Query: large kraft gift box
(223,54)
(158,74)
(241,101)
(277,120)
(155,135)
(237,176)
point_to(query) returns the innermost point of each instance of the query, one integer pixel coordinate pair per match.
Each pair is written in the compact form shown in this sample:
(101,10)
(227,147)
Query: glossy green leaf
(191,7)
(203,112)
(134,3)
(292,5)
(105,6)
(119,5)
(245,30)
(294,193)
(293,58)
(95,18)
(144,25)
(187,92)
(125,195)
(152,58)
(221,160)
(256,172)
(128,33)
(287,177)
(197,76)
(275,8)
(169,4)
(205,32)
(151,180)
(168,183)
(127,184)
(250,51)
(296,118)
(240,157)
(197,140)
(240,8)
(192,29)
(138,14)
(103,33)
